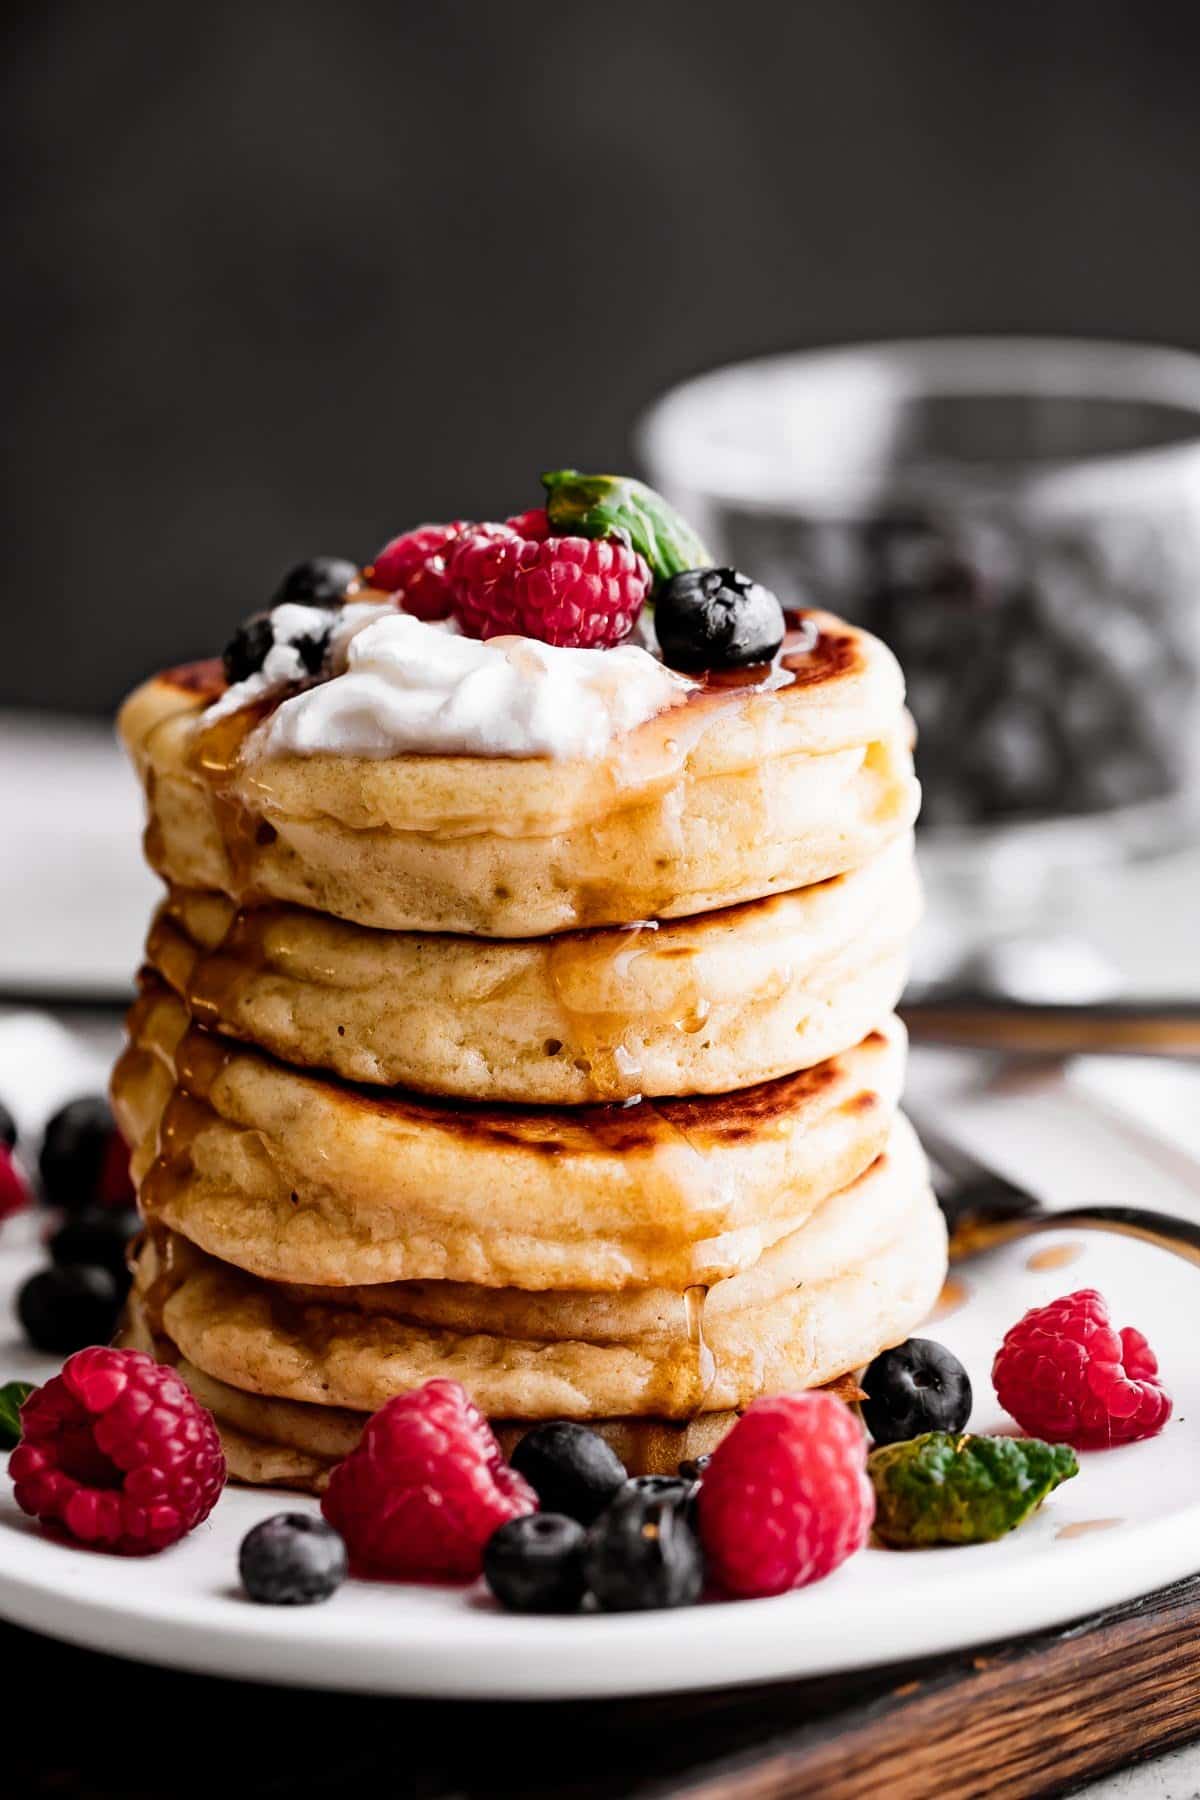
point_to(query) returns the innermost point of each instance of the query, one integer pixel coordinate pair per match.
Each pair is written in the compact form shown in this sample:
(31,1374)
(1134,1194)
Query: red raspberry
(424,1490)
(534,524)
(786,1497)
(1066,1375)
(117,1452)
(14,1189)
(582,592)
(414,567)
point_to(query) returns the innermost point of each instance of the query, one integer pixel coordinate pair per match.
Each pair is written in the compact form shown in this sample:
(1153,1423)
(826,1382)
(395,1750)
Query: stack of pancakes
(574,1081)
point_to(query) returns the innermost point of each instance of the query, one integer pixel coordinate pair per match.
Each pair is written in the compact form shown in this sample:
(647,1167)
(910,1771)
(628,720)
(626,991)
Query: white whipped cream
(411,686)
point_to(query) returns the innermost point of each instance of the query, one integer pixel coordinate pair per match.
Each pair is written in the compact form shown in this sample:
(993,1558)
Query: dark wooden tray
(1027,1718)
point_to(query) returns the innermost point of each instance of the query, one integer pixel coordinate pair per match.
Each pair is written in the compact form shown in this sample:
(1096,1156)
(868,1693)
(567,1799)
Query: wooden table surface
(1034,1717)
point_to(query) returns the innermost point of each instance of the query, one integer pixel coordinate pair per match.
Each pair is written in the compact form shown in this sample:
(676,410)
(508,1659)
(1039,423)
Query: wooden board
(1005,1722)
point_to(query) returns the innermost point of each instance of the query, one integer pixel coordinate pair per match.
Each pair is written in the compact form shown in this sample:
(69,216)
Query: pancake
(746,791)
(304,1179)
(288,1444)
(873,1272)
(704,1005)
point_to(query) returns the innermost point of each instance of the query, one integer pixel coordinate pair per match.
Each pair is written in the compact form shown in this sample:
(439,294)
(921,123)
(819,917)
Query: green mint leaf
(942,1489)
(597,506)
(13,1396)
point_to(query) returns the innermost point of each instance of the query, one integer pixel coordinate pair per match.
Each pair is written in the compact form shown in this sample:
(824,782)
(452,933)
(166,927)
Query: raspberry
(118,1453)
(414,567)
(1066,1375)
(424,1490)
(582,592)
(534,524)
(14,1190)
(786,1497)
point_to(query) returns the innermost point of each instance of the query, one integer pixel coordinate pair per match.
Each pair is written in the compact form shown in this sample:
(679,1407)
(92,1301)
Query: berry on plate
(84,1159)
(716,619)
(945,1489)
(14,1189)
(919,1386)
(579,592)
(292,1559)
(534,1564)
(786,1498)
(425,1488)
(571,1470)
(413,567)
(67,1309)
(643,1554)
(97,1239)
(1066,1374)
(117,1453)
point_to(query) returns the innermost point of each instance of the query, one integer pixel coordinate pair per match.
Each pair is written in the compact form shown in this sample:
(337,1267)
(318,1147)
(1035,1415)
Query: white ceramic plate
(1128,1523)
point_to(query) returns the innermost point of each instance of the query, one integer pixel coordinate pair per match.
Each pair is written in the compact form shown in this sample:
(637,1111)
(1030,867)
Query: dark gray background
(284,278)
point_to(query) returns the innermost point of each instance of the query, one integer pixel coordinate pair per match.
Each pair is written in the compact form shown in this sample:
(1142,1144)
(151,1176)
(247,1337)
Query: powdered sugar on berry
(409,686)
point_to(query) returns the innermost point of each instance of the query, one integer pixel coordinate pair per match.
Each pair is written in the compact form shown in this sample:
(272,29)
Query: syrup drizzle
(1055,1256)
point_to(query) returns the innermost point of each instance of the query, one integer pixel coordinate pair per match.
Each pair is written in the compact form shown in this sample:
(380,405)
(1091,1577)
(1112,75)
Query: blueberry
(96,1237)
(248,648)
(693,1469)
(571,1470)
(661,1487)
(642,1554)
(716,619)
(8,1128)
(76,1151)
(292,1559)
(63,1310)
(252,642)
(919,1386)
(535,1564)
(321,581)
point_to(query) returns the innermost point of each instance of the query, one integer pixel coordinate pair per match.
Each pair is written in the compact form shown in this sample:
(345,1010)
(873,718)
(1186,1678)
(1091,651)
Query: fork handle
(977,1231)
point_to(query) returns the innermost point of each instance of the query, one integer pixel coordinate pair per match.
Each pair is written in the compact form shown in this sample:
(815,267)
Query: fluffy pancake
(288,1443)
(744,792)
(305,1179)
(703,1005)
(873,1271)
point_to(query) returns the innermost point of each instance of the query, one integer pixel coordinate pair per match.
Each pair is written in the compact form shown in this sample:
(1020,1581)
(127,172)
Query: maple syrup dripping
(216,758)
(700,1369)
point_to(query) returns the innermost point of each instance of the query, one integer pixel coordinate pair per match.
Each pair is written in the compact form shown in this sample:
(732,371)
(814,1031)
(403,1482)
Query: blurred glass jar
(1020,520)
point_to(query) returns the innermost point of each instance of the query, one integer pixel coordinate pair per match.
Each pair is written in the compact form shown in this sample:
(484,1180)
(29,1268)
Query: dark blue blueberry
(571,1470)
(321,581)
(248,648)
(64,1310)
(292,1559)
(97,1237)
(535,1564)
(75,1151)
(642,1554)
(716,619)
(919,1386)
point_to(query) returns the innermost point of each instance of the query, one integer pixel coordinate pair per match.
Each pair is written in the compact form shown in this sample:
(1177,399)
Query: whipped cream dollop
(409,686)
